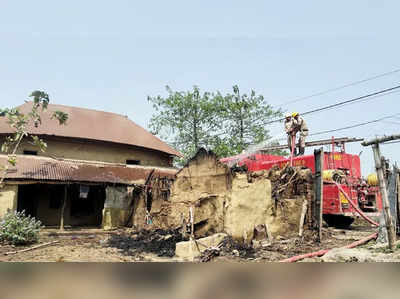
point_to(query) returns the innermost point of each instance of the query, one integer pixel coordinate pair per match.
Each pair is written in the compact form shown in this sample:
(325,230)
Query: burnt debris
(159,242)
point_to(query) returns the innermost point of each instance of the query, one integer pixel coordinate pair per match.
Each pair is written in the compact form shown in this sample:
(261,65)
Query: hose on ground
(323,252)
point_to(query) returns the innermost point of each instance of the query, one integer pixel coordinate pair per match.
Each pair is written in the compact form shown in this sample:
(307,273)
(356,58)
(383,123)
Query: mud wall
(72,148)
(8,199)
(202,184)
(235,203)
(246,207)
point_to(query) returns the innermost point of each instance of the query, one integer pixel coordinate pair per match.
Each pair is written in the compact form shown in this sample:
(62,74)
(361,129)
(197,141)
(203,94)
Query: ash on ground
(159,242)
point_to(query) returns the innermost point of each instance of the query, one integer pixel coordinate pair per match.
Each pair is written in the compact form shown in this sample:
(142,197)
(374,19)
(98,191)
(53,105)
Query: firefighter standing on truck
(300,126)
(290,131)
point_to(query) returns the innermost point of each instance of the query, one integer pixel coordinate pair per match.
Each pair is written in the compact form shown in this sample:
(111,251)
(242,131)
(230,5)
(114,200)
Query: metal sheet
(42,168)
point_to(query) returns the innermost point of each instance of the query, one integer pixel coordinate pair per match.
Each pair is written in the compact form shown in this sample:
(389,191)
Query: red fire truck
(339,168)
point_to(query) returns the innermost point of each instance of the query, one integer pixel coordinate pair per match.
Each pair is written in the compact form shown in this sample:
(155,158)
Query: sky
(112,55)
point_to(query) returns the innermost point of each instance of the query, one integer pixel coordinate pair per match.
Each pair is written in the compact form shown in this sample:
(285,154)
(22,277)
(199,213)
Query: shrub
(18,229)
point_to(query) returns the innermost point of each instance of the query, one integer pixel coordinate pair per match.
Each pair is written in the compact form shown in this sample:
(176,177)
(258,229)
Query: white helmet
(287,115)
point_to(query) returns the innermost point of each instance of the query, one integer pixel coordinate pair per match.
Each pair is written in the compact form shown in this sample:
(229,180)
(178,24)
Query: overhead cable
(354,100)
(338,88)
(355,126)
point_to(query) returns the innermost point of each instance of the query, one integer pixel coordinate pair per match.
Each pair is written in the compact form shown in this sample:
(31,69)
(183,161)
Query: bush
(18,229)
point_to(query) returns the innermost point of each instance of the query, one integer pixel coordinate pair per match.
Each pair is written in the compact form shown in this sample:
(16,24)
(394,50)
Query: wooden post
(398,198)
(191,215)
(318,189)
(63,208)
(384,193)
(302,217)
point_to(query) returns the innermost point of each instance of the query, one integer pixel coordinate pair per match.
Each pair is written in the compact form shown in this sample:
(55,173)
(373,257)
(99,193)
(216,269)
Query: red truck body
(366,197)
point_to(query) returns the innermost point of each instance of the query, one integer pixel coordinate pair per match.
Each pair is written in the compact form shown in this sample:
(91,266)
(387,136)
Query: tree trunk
(195,128)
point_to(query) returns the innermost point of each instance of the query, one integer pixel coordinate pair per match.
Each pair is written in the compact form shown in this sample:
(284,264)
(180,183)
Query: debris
(231,247)
(32,248)
(160,242)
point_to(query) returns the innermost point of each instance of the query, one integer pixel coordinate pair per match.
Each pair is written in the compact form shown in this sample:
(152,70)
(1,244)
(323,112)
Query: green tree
(20,122)
(244,121)
(186,120)
(226,124)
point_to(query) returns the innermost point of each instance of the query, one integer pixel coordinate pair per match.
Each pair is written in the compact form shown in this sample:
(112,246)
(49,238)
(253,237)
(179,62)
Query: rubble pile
(229,248)
(286,182)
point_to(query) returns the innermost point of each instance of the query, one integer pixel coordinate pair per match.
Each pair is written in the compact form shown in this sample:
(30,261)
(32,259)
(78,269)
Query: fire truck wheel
(338,221)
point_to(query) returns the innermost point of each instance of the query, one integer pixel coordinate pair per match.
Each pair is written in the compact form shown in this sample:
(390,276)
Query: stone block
(189,249)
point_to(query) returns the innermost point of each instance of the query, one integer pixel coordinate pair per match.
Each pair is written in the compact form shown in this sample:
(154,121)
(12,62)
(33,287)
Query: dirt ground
(96,245)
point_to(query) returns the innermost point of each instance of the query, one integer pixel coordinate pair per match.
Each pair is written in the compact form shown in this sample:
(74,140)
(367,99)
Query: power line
(391,142)
(358,99)
(338,88)
(355,126)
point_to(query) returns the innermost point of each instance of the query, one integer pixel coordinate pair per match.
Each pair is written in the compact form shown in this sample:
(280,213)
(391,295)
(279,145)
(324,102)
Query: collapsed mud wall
(202,185)
(220,200)
(292,189)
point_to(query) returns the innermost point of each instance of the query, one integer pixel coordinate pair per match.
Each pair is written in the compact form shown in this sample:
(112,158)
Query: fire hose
(352,245)
(323,252)
(355,207)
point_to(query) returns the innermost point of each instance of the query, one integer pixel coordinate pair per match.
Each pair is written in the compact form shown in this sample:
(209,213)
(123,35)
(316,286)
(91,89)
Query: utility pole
(382,184)
(319,194)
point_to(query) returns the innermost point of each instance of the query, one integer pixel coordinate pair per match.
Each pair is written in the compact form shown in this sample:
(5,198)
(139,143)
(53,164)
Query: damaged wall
(202,184)
(234,203)
(117,206)
(246,207)
(225,201)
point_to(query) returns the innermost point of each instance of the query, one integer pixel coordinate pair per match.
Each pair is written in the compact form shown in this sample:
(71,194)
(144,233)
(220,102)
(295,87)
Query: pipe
(355,207)
(292,149)
(323,252)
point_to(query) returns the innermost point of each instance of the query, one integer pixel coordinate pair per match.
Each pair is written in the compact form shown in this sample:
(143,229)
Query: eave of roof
(92,125)
(48,169)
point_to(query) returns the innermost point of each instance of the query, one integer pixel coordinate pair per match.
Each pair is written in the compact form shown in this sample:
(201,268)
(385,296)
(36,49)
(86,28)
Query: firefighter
(290,131)
(300,126)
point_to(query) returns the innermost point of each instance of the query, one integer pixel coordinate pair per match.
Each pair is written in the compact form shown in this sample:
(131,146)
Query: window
(32,153)
(132,162)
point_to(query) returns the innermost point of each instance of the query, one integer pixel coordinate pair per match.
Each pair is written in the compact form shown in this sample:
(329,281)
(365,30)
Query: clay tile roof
(93,125)
(48,169)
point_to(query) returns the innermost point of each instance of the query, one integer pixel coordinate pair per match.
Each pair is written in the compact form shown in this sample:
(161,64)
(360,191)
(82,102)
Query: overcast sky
(111,55)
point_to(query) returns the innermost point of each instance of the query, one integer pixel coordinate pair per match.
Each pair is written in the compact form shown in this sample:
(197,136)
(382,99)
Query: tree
(19,122)
(226,124)
(244,119)
(186,120)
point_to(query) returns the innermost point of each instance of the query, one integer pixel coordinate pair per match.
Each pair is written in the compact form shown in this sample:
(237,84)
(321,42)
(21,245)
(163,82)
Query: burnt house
(90,170)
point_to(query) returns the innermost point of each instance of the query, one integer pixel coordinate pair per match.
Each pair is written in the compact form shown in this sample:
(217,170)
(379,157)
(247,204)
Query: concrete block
(189,250)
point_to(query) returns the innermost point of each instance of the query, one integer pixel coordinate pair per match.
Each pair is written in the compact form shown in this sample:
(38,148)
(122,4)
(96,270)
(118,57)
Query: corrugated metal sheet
(93,125)
(47,169)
